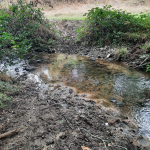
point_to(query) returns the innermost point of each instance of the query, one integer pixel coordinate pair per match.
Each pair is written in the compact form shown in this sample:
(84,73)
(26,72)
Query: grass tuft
(121,53)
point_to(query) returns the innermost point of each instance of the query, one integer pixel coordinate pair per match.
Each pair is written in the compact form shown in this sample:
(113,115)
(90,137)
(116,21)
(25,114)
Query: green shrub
(148,68)
(24,29)
(6,90)
(106,26)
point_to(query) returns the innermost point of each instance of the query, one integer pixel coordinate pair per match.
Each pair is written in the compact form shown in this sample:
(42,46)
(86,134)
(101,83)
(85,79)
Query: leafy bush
(24,29)
(106,26)
(148,68)
(6,90)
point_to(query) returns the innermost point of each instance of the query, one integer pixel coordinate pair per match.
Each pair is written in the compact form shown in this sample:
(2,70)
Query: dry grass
(121,53)
(146,47)
(4,78)
(74,9)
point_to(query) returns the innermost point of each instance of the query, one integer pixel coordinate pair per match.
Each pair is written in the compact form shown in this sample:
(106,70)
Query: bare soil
(53,117)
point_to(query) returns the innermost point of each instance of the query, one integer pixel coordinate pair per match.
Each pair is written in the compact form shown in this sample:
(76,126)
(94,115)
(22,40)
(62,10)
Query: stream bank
(53,117)
(136,58)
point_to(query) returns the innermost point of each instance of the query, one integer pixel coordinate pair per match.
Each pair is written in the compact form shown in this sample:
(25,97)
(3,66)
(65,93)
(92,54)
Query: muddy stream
(108,83)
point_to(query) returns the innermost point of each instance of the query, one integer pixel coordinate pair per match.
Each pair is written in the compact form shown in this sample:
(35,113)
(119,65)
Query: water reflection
(104,81)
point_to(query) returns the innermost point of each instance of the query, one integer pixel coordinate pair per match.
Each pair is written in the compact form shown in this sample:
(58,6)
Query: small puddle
(111,84)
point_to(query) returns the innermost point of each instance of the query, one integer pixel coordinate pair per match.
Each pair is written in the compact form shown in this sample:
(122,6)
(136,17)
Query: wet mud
(54,117)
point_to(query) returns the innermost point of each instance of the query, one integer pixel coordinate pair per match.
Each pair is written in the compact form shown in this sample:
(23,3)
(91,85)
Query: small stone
(30,69)
(43,136)
(126,117)
(39,61)
(49,141)
(106,124)
(108,55)
(92,59)
(119,103)
(113,100)
(17,69)
(61,135)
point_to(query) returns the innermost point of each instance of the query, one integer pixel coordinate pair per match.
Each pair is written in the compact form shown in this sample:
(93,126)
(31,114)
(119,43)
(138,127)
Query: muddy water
(111,84)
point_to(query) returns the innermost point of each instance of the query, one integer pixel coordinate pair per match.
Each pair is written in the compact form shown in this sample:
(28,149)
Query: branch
(8,134)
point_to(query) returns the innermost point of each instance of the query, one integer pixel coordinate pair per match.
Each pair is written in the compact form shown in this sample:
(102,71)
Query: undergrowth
(108,26)
(24,29)
(7,90)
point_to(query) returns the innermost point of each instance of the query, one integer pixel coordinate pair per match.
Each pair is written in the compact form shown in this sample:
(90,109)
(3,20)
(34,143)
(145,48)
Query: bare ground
(53,117)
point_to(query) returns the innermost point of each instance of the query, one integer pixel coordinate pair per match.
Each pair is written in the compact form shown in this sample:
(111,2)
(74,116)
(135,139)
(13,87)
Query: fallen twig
(142,62)
(94,136)
(101,139)
(8,134)
(121,147)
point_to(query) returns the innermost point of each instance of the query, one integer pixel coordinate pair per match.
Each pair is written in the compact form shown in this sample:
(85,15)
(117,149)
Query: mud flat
(53,117)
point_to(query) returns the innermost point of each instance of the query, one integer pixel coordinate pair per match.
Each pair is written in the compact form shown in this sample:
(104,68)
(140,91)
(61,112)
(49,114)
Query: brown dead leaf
(100,144)
(85,148)
(109,144)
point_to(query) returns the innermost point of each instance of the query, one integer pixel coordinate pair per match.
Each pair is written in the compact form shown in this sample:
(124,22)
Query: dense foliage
(24,29)
(107,26)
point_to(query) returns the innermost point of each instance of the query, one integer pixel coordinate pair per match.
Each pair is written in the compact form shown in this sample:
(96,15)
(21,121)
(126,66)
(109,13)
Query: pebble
(106,124)
(39,61)
(113,100)
(30,69)
(119,103)
(49,141)
(17,69)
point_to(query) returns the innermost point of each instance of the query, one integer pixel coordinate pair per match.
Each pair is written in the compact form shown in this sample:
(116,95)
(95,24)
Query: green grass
(66,17)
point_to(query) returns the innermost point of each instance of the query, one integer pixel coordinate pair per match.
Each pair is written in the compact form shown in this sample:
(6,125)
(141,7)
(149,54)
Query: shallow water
(103,82)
